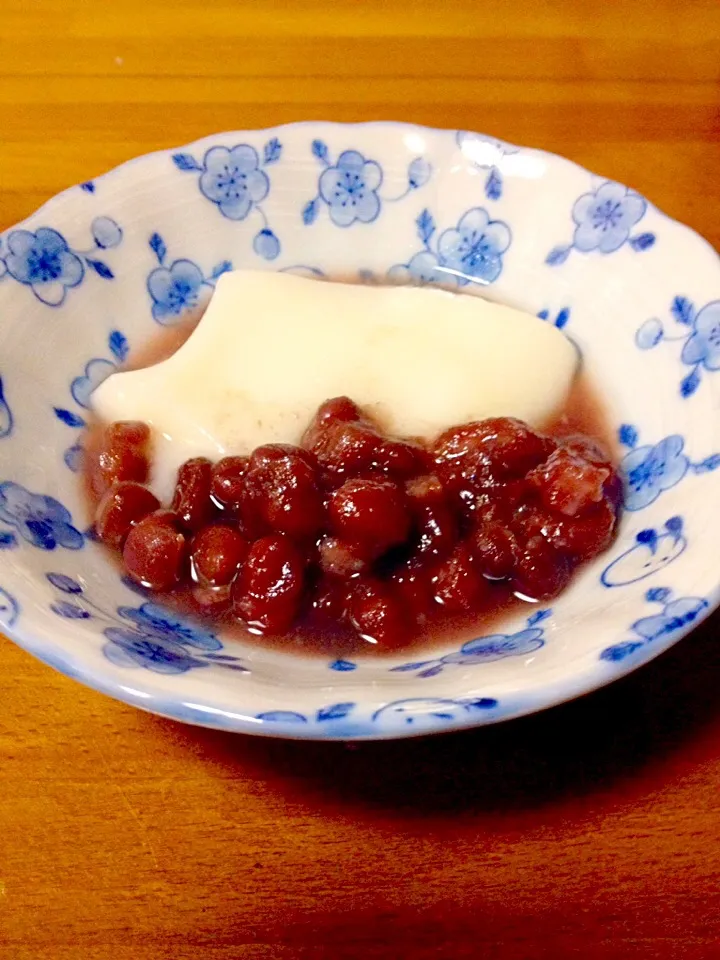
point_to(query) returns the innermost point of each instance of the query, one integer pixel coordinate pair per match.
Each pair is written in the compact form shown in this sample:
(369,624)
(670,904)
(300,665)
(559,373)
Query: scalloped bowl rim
(562,691)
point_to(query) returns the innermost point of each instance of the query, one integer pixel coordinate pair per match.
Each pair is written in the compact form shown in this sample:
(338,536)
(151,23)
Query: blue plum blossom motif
(175,289)
(350,187)
(704,344)
(422,268)
(45,262)
(164,642)
(147,636)
(471,252)
(40,520)
(133,648)
(676,618)
(486,153)
(234,179)
(154,619)
(604,219)
(649,470)
(180,286)
(475,247)
(81,388)
(484,649)
(698,331)
(95,372)
(153,638)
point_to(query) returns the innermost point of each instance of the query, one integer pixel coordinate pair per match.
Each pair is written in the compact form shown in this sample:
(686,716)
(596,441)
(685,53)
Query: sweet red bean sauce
(356,542)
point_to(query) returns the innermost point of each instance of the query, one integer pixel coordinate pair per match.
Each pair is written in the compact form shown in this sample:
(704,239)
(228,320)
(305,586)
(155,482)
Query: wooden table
(590,831)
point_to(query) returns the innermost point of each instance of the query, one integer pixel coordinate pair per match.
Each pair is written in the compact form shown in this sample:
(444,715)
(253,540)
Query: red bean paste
(357,541)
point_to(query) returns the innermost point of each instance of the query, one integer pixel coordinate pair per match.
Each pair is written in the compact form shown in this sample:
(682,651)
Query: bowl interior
(88,279)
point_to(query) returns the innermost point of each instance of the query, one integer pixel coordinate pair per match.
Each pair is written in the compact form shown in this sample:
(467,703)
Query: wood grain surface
(590,831)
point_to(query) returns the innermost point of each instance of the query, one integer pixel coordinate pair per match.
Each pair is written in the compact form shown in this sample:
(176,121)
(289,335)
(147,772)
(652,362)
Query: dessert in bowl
(91,278)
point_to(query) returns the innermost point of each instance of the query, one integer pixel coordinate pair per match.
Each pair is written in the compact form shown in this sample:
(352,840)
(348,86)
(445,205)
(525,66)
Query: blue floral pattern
(234,179)
(649,470)
(416,714)
(40,520)
(699,333)
(82,387)
(497,646)
(349,188)
(154,638)
(676,616)
(604,219)
(487,154)
(180,286)
(470,252)
(131,648)
(45,262)
(175,289)
(652,551)
(158,640)
(153,618)
(85,622)
(149,636)
(96,370)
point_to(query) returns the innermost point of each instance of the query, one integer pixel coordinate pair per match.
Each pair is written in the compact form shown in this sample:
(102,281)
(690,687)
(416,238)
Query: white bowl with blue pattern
(87,280)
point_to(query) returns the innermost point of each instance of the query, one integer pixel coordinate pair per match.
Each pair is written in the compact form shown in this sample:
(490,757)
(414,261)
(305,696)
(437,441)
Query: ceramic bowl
(86,280)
